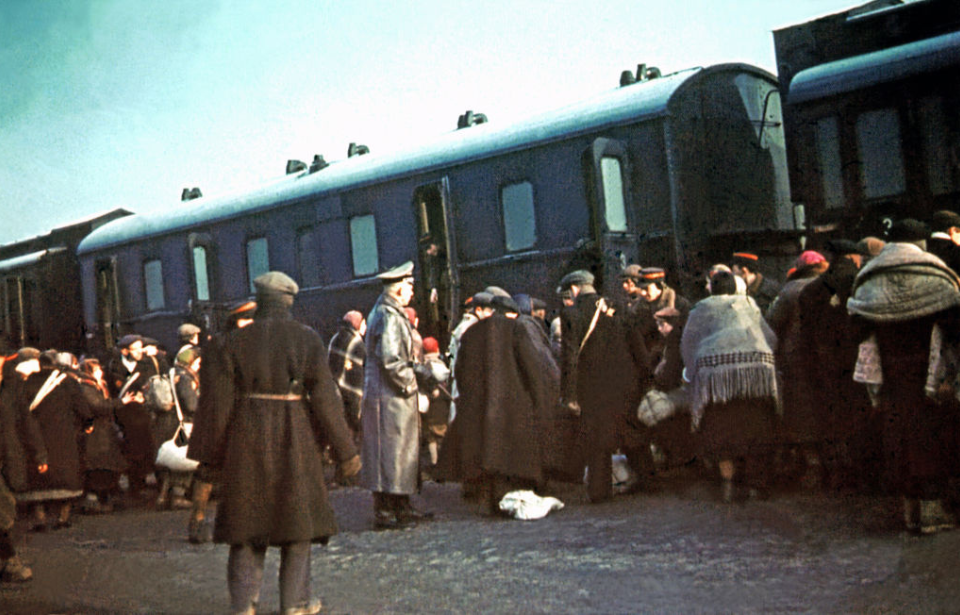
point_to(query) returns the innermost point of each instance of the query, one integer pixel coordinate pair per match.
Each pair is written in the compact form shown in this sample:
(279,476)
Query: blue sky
(123,103)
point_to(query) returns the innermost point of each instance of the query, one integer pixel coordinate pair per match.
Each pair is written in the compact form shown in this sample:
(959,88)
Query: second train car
(675,171)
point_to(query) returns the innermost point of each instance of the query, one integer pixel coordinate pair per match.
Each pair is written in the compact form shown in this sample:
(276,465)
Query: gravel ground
(675,551)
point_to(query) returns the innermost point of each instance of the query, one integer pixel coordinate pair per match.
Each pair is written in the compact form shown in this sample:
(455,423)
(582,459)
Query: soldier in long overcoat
(278,406)
(390,419)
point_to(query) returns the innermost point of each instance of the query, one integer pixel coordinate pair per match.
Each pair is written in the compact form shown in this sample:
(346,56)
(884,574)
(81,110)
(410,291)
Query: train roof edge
(646,100)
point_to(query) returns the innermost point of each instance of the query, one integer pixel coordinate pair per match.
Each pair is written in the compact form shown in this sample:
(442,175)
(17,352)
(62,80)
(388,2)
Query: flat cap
(396,274)
(28,352)
(908,230)
(187,330)
(944,219)
(128,339)
(275,283)
(631,272)
(580,277)
(652,274)
(481,299)
(505,304)
(496,291)
(870,246)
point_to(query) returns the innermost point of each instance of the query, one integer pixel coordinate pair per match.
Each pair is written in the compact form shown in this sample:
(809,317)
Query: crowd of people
(845,377)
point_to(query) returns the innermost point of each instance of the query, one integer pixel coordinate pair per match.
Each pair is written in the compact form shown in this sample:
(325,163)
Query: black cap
(944,219)
(908,230)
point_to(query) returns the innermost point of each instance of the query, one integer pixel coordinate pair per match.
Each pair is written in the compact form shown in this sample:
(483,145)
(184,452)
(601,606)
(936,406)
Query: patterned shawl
(728,349)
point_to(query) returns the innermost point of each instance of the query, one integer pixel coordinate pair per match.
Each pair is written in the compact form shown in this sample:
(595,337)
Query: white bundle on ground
(527,505)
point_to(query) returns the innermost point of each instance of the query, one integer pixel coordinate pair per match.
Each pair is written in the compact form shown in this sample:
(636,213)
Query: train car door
(437,290)
(108,304)
(613,240)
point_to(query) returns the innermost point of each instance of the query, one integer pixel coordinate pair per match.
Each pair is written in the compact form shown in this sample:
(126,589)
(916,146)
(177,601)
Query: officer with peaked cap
(762,289)
(274,405)
(390,418)
(944,242)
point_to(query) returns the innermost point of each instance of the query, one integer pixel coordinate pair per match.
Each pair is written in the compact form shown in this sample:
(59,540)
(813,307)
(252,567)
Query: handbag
(172,454)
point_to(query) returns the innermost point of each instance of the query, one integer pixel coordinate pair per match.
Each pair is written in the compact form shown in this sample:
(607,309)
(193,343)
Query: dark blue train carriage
(870,111)
(674,170)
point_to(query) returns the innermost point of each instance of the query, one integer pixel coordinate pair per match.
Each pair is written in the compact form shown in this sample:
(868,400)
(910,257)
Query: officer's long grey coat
(269,451)
(391,422)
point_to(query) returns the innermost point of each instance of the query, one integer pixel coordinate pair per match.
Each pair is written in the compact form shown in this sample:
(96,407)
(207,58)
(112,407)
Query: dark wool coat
(21,441)
(499,419)
(60,416)
(101,447)
(764,291)
(268,452)
(830,340)
(804,421)
(134,419)
(606,377)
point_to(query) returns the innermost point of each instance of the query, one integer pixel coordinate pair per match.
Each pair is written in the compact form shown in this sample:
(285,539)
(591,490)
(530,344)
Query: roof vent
(189,194)
(470,118)
(295,166)
(318,163)
(643,74)
(357,150)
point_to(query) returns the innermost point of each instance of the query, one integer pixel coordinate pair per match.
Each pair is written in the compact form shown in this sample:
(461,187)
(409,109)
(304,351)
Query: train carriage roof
(641,101)
(875,68)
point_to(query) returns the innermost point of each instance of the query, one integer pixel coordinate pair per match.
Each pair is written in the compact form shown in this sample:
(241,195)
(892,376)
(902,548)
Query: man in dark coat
(129,370)
(603,363)
(279,407)
(390,417)
(496,440)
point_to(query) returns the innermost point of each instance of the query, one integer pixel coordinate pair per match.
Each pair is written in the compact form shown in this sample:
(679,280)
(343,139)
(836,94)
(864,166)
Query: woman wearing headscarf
(728,356)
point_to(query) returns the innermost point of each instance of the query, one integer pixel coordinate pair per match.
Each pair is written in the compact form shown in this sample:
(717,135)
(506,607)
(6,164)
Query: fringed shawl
(728,349)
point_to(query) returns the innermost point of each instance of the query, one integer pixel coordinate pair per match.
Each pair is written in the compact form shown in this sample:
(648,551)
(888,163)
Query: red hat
(430,345)
(808,258)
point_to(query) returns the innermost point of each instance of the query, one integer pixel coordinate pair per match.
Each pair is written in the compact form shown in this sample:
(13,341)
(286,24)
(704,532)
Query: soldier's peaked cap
(275,283)
(652,274)
(745,259)
(397,273)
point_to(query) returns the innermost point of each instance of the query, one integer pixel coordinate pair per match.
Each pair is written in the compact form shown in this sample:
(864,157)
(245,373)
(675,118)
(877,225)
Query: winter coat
(390,419)
(500,418)
(607,375)
(803,419)
(268,452)
(101,438)
(21,441)
(60,416)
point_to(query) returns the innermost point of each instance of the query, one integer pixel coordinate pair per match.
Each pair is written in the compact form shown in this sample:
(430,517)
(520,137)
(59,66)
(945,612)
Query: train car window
(828,161)
(308,258)
(258,259)
(519,223)
(615,210)
(200,273)
(153,284)
(938,144)
(881,158)
(363,245)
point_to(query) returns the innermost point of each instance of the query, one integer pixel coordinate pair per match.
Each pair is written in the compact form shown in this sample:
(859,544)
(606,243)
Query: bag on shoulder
(158,393)
(172,454)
